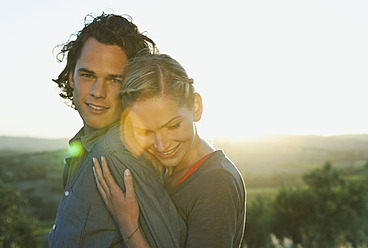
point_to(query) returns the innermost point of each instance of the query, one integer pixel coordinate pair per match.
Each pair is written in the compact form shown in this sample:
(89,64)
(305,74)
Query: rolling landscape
(34,166)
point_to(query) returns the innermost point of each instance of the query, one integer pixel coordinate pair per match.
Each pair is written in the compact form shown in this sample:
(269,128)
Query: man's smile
(95,107)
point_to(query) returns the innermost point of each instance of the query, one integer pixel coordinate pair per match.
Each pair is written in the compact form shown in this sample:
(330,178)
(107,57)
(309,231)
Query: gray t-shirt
(212,202)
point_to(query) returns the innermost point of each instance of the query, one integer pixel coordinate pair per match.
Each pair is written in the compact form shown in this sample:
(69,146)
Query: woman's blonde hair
(156,75)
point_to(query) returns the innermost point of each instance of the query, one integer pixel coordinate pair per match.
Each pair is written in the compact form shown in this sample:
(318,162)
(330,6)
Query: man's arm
(122,206)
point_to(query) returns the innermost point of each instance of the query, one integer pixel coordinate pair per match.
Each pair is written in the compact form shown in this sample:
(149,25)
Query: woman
(161,108)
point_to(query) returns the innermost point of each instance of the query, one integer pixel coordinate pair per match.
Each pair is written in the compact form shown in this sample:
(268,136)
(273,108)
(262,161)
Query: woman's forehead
(156,112)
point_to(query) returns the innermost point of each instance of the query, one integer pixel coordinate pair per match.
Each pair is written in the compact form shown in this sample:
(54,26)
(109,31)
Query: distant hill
(30,145)
(339,142)
(262,155)
(294,153)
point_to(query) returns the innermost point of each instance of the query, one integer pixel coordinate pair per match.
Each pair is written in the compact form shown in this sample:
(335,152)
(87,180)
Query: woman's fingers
(99,187)
(99,177)
(109,190)
(109,179)
(122,206)
(106,180)
(128,181)
(107,175)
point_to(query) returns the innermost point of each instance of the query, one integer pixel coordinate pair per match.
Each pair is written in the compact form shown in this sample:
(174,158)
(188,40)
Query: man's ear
(71,80)
(198,107)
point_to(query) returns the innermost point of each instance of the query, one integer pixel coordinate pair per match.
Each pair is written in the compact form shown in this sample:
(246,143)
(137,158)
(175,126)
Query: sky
(261,66)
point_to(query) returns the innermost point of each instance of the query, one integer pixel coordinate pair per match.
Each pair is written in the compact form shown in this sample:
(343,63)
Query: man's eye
(86,75)
(116,81)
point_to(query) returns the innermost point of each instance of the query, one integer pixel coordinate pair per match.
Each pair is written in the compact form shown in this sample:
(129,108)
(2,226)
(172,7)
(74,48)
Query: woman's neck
(199,149)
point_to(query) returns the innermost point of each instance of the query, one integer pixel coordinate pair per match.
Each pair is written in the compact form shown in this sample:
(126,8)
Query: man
(91,80)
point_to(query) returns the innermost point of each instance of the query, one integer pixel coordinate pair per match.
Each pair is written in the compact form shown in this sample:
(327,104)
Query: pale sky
(262,66)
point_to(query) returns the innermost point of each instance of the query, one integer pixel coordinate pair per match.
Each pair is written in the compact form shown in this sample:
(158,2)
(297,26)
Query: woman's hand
(122,206)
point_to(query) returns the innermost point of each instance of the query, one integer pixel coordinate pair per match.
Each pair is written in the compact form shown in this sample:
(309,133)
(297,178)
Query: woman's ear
(198,107)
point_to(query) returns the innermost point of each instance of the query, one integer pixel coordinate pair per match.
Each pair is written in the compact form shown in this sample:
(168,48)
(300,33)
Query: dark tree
(17,228)
(329,212)
(257,232)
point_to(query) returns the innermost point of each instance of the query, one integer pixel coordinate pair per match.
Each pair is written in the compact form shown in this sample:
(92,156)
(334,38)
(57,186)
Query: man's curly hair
(108,29)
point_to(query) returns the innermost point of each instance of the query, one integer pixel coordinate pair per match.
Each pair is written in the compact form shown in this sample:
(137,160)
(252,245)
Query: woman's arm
(217,211)
(122,206)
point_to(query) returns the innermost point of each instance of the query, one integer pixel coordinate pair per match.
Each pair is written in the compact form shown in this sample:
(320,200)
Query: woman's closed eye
(174,126)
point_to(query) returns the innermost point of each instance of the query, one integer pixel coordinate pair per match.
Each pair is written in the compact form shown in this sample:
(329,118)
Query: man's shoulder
(111,141)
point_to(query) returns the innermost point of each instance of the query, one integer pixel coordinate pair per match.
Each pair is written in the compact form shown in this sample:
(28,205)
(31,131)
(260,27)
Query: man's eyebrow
(109,76)
(85,70)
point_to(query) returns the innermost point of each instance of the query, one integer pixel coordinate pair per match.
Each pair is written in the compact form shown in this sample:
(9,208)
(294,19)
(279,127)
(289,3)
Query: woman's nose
(162,143)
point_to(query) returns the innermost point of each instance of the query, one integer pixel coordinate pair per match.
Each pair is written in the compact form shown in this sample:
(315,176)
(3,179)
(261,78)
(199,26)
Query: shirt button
(53,227)
(66,193)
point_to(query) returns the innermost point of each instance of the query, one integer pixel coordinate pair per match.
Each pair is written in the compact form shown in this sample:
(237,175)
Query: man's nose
(98,89)
(162,142)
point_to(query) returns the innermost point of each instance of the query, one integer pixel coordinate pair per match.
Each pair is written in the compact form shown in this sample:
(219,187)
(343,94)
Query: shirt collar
(89,139)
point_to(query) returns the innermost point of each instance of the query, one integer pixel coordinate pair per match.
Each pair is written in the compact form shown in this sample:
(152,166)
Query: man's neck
(87,129)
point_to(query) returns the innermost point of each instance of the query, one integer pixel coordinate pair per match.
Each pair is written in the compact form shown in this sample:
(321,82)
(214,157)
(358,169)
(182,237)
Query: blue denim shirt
(83,220)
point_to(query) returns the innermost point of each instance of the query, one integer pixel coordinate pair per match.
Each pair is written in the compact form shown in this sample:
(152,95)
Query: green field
(266,166)
(44,229)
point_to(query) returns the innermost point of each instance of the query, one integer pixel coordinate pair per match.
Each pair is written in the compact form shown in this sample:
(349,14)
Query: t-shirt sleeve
(161,223)
(217,211)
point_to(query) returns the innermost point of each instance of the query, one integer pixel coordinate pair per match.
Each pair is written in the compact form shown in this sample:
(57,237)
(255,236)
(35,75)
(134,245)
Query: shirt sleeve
(161,223)
(217,211)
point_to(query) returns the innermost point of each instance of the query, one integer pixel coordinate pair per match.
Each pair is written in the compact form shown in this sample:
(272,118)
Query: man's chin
(99,125)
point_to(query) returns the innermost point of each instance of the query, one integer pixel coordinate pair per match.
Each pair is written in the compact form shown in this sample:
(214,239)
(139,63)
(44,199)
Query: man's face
(96,83)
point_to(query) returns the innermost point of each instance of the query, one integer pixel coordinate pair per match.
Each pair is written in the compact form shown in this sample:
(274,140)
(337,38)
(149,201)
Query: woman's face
(164,129)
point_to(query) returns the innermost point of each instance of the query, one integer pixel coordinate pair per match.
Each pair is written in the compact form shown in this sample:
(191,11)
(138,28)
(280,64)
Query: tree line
(329,210)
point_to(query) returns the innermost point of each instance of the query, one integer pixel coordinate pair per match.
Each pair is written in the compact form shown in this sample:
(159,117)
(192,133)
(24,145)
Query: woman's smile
(167,154)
